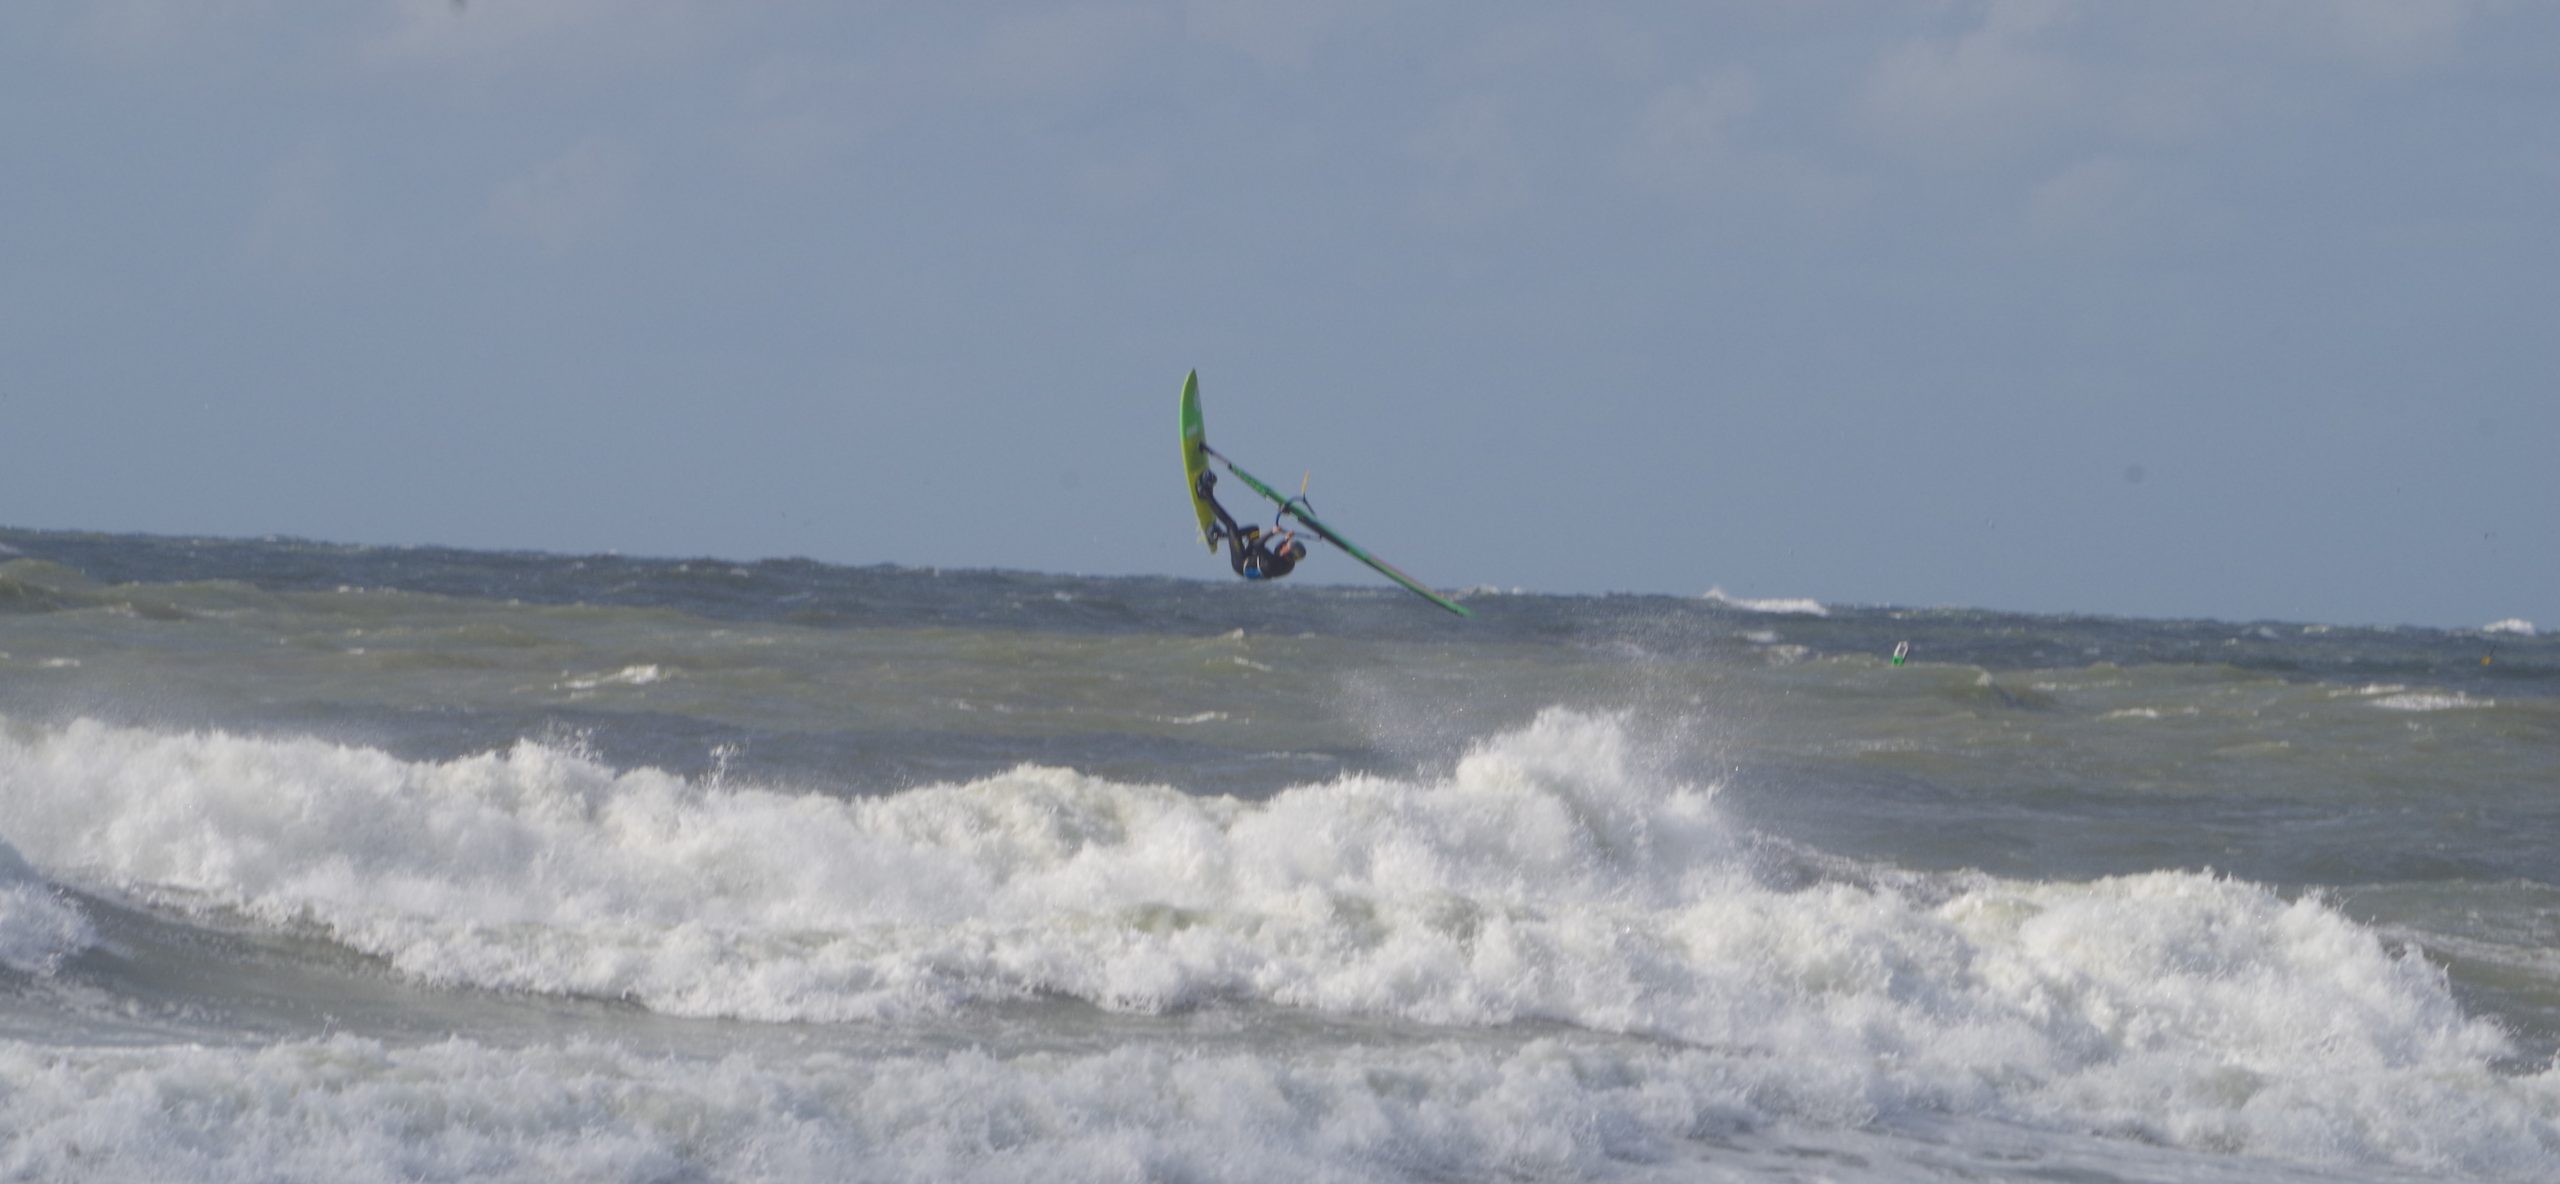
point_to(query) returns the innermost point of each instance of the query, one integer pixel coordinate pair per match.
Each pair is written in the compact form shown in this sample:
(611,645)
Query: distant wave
(2430,701)
(1549,876)
(2515,625)
(628,676)
(1798,606)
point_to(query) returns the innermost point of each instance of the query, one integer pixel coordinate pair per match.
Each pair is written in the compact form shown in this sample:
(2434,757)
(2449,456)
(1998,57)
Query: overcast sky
(2207,308)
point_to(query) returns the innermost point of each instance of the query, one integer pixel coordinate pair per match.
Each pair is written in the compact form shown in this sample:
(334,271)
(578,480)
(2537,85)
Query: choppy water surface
(350,863)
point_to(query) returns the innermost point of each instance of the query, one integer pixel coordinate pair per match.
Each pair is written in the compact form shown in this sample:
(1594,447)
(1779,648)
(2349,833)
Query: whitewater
(347,863)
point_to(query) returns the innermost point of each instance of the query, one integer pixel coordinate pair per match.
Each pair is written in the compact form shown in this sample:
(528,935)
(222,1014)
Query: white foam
(1797,606)
(1551,875)
(628,676)
(2515,625)
(347,1109)
(350,1110)
(38,928)
(2430,701)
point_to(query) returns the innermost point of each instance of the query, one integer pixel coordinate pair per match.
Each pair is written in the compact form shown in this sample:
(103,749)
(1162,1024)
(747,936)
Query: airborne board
(1195,461)
(1196,455)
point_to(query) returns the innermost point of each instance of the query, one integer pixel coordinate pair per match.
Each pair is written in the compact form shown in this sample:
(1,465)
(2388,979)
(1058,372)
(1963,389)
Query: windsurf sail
(1296,507)
(1196,455)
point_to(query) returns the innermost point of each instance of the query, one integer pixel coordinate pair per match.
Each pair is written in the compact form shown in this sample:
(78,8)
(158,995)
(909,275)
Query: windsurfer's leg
(1226,521)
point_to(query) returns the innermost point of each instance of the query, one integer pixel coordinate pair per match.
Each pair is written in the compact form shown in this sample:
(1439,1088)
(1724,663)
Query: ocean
(341,863)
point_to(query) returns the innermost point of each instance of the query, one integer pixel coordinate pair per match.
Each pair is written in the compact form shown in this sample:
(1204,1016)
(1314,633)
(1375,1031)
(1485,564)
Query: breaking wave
(1552,874)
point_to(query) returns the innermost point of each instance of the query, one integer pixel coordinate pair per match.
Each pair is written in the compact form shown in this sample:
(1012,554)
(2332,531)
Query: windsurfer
(1254,553)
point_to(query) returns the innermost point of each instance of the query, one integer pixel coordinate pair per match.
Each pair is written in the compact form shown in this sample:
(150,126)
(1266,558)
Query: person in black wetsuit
(1254,554)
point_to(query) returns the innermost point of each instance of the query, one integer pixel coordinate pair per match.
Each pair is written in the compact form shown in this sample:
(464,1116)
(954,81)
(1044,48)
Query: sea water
(345,864)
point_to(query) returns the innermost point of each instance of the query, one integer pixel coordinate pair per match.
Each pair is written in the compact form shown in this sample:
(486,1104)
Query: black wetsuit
(1252,558)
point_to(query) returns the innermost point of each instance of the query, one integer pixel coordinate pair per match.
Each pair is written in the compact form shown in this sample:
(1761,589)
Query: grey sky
(2214,308)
